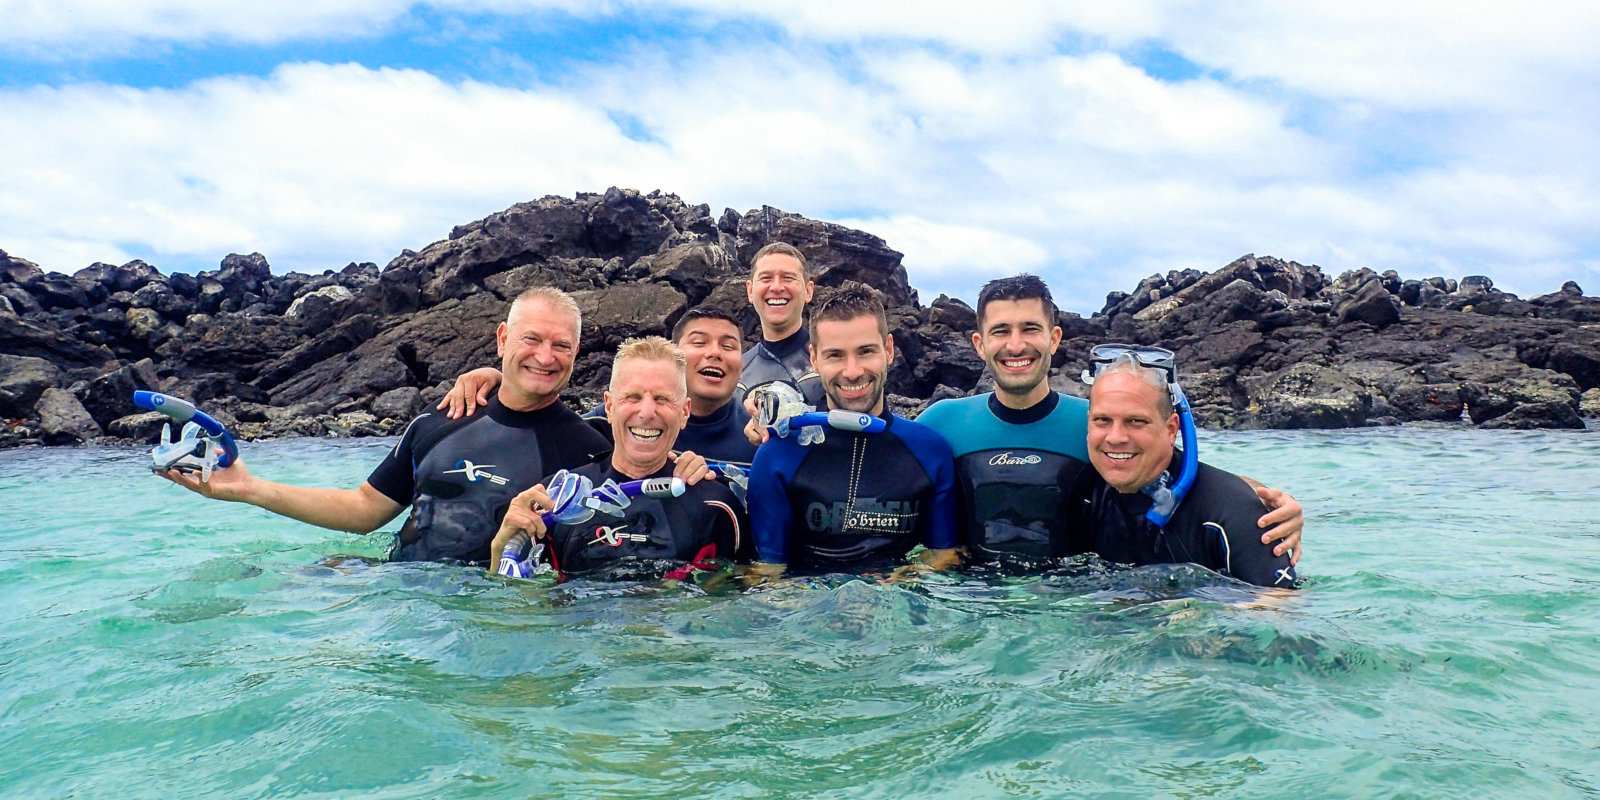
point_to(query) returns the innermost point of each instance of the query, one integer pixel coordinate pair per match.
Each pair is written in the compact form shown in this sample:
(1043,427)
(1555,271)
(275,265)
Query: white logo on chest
(1008,460)
(475,471)
(615,535)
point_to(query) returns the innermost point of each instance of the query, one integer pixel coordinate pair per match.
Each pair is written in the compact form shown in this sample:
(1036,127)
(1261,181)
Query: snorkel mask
(203,444)
(1165,492)
(781,408)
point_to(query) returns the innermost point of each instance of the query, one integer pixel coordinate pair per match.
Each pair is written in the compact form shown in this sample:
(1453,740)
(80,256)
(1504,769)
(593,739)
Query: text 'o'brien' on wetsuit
(459,476)
(787,360)
(654,538)
(1215,527)
(1013,468)
(854,500)
(718,436)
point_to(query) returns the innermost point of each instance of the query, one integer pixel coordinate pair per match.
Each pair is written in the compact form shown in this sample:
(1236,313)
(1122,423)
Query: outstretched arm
(359,510)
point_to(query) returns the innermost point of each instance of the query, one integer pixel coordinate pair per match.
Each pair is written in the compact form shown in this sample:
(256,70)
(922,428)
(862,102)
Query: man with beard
(1132,428)
(1019,448)
(856,499)
(779,289)
(647,405)
(710,339)
(457,476)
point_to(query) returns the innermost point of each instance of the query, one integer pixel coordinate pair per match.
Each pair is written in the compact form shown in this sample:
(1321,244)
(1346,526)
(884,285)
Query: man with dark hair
(710,338)
(1020,448)
(856,499)
(779,288)
(1132,429)
(458,476)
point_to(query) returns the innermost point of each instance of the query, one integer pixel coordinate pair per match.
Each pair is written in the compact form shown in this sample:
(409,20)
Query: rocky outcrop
(358,350)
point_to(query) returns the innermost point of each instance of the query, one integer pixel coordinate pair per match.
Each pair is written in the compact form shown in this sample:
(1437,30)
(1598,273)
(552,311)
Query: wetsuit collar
(1024,416)
(717,417)
(786,346)
(526,419)
(622,477)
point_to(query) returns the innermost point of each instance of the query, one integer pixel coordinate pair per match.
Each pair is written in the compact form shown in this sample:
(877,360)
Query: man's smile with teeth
(1117,456)
(647,434)
(712,372)
(778,301)
(1017,363)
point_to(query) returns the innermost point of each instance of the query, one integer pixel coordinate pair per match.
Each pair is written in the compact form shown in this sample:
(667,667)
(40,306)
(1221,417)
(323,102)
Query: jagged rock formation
(1262,342)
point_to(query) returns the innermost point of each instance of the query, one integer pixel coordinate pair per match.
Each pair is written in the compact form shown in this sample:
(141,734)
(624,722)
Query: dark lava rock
(110,396)
(1308,396)
(402,403)
(1370,303)
(22,380)
(142,427)
(1538,415)
(62,419)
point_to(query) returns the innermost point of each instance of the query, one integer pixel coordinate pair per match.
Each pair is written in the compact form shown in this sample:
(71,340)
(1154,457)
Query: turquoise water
(154,644)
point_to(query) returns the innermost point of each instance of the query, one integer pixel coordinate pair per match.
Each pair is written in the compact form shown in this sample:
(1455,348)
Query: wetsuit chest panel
(701,524)
(788,362)
(1012,499)
(464,484)
(857,498)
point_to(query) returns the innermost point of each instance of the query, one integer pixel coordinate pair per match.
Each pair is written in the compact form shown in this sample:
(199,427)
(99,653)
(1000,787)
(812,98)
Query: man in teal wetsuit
(1020,448)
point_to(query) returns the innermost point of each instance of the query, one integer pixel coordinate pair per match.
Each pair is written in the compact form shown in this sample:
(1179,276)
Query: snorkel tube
(781,409)
(192,451)
(1165,494)
(575,500)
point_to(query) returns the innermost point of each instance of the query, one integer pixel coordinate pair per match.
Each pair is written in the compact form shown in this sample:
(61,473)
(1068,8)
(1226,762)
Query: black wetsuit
(1214,526)
(856,500)
(458,476)
(655,537)
(784,361)
(718,436)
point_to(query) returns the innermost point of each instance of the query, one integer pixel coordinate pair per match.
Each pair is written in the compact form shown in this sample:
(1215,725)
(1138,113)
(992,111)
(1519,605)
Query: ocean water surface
(1446,644)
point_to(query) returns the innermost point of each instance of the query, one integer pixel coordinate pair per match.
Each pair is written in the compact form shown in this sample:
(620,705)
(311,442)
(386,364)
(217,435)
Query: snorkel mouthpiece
(1165,494)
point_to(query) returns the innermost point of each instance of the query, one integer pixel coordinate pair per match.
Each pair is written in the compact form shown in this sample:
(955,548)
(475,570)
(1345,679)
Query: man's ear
(1172,426)
(888,349)
(500,340)
(977,344)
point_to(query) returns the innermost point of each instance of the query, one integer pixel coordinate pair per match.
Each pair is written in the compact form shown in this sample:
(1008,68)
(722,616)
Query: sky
(1090,143)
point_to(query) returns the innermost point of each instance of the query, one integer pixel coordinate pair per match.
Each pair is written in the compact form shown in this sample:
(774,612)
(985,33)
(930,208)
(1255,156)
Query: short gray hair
(553,297)
(652,348)
(1154,377)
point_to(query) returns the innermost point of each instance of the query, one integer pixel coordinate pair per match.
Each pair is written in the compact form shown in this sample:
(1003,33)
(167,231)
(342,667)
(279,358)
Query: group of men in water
(1023,476)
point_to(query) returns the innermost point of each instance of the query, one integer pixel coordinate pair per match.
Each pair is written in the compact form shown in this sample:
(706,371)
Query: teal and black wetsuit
(855,500)
(653,538)
(1013,468)
(1214,526)
(459,476)
(785,361)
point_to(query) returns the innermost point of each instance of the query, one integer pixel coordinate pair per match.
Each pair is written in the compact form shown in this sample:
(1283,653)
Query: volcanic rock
(22,380)
(62,419)
(1307,396)
(1370,303)
(402,403)
(142,427)
(110,396)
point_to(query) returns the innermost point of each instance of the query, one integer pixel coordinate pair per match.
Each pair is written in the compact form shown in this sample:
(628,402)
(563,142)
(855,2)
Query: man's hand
(753,431)
(233,483)
(1285,521)
(691,467)
(761,573)
(522,516)
(471,390)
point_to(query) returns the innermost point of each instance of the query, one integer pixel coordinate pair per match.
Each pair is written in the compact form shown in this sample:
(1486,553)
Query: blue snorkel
(1165,493)
(575,499)
(191,452)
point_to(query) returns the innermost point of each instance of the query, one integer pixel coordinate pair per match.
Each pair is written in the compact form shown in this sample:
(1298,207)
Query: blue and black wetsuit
(784,361)
(1014,467)
(718,436)
(1214,526)
(655,537)
(855,500)
(459,476)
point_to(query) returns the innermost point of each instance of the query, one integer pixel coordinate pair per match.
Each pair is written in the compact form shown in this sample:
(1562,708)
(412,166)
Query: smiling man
(647,405)
(1020,448)
(779,289)
(457,475)
(856,500)
(1132,430)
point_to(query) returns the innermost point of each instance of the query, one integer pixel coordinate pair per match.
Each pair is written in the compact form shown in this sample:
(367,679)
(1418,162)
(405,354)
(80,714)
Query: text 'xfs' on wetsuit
(1014,467)
(1214,526)
(854,500)
(785,361)
(654,538)
(459,476)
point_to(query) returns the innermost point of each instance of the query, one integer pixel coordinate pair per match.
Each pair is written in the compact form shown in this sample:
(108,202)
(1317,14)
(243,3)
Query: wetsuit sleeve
(1235,508)
(940,530)
(770,516)
(395,477)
